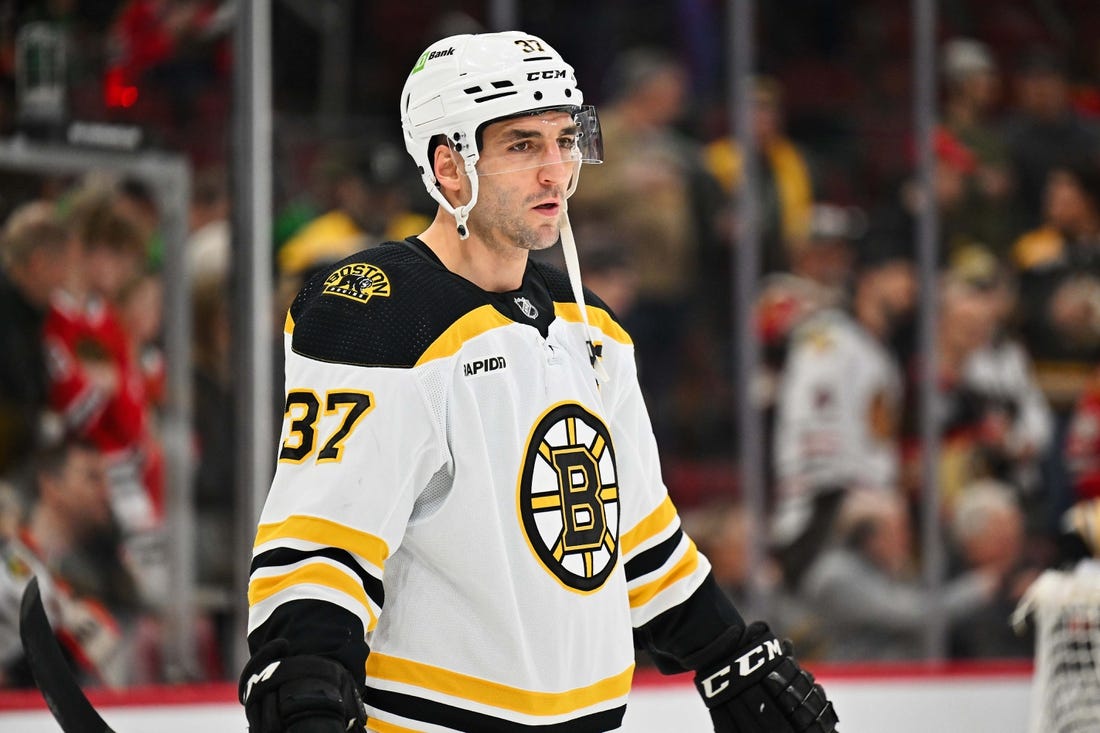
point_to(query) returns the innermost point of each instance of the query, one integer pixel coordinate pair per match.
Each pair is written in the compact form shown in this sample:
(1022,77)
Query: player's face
(524,170)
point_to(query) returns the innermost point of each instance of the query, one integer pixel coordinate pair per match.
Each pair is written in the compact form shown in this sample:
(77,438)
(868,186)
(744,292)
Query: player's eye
(523,146)
(567,143)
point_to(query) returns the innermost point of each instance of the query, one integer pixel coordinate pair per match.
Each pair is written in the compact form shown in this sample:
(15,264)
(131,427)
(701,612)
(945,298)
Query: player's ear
(448,169)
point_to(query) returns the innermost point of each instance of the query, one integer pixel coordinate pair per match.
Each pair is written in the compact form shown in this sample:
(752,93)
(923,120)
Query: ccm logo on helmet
(747,663)
(536,75)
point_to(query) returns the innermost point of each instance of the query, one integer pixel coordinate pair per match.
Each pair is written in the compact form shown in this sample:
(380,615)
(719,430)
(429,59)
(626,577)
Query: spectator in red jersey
(96,382)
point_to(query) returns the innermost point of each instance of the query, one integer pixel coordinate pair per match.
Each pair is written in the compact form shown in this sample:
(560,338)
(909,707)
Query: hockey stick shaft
(52,674)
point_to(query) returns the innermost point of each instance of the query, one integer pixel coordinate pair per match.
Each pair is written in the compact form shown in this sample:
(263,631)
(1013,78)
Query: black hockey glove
(298,694)
(759,688)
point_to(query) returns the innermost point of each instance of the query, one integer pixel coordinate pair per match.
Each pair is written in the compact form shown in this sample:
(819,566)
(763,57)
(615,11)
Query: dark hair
(881,246)
(1086,172)
(52,458)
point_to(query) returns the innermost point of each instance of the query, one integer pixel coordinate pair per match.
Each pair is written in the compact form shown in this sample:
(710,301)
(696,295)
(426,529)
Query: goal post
(1064,607)
(169,177)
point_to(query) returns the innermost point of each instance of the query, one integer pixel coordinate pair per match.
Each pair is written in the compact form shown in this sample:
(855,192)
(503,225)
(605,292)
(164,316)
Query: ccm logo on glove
(747,663)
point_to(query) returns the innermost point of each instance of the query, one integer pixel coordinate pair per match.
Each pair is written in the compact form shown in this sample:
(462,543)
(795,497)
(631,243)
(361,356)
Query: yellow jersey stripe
(682,569)
(317,573)
(657,520)
(327,533)
(381,726)
(597,317)
(288,324)
(495,694)
(476,322)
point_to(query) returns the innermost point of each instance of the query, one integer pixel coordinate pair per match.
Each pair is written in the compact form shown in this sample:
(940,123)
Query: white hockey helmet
(461,83)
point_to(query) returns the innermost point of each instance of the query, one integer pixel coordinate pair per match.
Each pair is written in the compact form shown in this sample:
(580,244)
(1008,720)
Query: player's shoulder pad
(383,306)
(561,290)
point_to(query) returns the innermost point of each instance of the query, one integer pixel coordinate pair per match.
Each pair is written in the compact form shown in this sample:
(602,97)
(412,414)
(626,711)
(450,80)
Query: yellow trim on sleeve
(288,324)
(495,694)
(476,322)
(657,520)
(682,569)
(325,532)
(597,317)
(381,726)
(316,573)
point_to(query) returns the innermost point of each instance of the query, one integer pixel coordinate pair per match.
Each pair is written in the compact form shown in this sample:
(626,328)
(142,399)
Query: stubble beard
(505,229)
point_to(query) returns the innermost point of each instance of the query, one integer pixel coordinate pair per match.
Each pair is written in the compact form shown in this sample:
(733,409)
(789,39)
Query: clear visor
(551,137)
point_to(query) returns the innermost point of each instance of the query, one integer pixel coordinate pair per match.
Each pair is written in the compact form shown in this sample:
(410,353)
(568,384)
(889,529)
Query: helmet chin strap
(460,213)
(573,267)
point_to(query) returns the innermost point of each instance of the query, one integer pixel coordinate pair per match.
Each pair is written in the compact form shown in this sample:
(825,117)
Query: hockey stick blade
(55,679)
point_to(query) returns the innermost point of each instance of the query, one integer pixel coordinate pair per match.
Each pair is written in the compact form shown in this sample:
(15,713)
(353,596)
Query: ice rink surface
(883,703)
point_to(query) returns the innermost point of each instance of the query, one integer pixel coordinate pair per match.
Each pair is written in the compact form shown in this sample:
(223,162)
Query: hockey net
(1065,609)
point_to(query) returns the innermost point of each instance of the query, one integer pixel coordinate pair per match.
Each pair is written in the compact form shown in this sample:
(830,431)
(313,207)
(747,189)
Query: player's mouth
(548,208)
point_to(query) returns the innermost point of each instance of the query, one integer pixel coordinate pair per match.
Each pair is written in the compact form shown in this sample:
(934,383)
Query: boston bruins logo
(569,497)
(358,281)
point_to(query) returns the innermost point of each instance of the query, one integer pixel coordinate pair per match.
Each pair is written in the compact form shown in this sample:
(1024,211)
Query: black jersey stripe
(436,713)
(284,556)
(654,558)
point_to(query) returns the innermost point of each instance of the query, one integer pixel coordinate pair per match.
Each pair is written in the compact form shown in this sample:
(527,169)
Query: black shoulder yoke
(383,306)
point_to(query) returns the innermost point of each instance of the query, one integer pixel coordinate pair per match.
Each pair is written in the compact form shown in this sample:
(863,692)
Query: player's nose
(556,172)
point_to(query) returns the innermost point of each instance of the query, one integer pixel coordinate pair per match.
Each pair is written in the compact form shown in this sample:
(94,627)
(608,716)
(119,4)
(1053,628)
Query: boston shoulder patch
(569,497)
(358,281)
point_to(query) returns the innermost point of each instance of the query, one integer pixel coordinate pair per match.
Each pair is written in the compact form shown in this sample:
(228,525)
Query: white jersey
(837,415)
(453,476)
(86,629)
(1004,370)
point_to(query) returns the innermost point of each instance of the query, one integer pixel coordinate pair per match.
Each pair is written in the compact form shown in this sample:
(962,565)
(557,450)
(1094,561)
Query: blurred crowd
(1017,344)
(1017,192)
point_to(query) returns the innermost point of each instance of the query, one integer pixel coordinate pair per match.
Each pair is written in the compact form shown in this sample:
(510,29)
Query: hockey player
(467,529)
